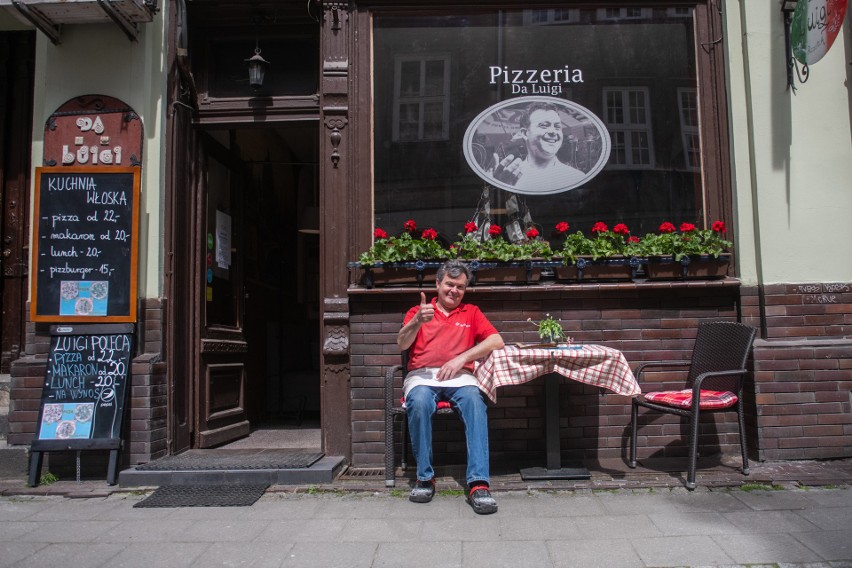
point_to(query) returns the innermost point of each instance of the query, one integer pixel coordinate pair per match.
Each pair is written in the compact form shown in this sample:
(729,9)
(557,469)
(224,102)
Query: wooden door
(220,393)
(17,50)
(182,279)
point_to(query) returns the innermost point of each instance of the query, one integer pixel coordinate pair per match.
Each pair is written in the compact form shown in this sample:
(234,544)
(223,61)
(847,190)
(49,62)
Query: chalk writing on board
(85,243)
(84,385)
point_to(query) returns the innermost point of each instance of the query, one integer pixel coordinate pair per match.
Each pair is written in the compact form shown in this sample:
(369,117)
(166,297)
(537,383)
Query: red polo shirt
(446,336)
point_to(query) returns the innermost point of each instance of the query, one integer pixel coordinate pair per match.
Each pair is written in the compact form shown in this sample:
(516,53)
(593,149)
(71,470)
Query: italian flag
(815,25)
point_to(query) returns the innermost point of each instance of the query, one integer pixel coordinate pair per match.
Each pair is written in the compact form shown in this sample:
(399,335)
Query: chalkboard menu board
(84,393)
(85,238)
(84,386)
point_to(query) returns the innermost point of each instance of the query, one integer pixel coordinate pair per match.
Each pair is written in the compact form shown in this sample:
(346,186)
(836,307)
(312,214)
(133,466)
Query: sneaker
(422,492)
(481,500)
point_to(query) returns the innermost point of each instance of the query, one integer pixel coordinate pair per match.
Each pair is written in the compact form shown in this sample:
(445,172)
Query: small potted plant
(550,330)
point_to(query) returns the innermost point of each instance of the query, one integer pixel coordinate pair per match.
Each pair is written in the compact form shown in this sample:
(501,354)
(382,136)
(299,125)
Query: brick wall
(803,369)
(648,321)
(146,418)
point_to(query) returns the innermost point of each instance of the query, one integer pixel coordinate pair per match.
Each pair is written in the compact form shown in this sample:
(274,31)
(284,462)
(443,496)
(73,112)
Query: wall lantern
(787,8)
(257,69)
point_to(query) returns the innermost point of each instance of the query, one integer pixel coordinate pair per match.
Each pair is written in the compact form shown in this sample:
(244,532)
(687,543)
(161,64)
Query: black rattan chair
(393,409)
(714,383)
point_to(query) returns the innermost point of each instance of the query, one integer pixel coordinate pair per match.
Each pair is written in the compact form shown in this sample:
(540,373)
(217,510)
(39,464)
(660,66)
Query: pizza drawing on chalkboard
(64,421)
(83,298)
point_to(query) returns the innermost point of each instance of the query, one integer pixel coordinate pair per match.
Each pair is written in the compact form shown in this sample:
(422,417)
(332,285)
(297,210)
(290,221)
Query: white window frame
(681,12)
(688,130)
(421,99)
(628,128)
(622,14)
(549,16)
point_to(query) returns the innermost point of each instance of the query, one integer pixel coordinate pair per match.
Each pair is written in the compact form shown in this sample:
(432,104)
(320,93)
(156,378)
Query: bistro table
(594,365)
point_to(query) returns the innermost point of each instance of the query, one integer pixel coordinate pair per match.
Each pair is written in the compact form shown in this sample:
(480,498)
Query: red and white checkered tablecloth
(594,365)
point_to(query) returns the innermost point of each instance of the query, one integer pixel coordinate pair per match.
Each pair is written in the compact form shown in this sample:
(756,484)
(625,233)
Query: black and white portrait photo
(537,145)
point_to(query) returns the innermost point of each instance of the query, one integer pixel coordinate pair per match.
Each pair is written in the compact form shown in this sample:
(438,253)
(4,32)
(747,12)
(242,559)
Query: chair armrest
(389,376)
(696,386)
(658,364)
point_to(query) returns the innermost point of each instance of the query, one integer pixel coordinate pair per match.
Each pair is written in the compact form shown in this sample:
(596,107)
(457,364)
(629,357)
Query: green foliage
(749,487)
(679,245)
(549,329)
(468,247)
(495,248)
(403,248)
(534,248)
(605,244)
(47,478)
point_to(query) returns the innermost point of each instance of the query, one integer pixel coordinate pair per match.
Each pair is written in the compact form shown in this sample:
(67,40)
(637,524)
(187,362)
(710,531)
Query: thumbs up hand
(427,310)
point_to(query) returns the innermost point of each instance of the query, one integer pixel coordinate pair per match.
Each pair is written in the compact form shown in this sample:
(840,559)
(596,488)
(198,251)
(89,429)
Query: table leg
(554,469)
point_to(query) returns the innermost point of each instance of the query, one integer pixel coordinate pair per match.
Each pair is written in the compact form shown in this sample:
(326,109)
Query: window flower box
(700,266)
(587,268)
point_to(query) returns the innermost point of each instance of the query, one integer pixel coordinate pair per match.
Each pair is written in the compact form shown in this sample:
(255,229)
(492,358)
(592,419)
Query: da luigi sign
(815,26)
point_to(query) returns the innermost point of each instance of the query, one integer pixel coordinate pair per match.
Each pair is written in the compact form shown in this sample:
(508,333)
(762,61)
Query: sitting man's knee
(419,397)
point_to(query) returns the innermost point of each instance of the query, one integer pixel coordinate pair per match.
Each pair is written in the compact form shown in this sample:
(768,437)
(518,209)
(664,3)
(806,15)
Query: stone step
(324,470)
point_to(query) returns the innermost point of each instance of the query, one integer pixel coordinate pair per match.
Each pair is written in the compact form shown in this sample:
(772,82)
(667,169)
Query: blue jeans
(421,403)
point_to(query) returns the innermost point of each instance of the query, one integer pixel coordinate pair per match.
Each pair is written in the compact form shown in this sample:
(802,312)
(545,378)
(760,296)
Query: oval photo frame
(499,142)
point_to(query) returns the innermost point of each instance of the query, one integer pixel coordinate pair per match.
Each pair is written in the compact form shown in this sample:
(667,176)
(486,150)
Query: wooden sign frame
(39,313)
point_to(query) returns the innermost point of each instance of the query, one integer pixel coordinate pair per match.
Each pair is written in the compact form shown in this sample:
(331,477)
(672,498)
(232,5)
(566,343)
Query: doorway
(253,380)
(17,53)
(281,283)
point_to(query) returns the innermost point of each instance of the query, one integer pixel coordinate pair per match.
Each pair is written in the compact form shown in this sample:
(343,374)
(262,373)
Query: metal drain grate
(362,472)
(213,461)
(203,496)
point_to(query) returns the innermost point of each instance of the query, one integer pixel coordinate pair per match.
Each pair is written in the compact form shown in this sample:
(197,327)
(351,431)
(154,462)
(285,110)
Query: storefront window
(616,96)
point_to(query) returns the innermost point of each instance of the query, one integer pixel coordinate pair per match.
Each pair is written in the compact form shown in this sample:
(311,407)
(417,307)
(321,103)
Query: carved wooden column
(335,206)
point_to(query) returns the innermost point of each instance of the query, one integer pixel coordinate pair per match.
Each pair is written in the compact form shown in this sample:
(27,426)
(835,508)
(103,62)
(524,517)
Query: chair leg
(634,423)
(390,475)
(693,450)
(743,442)
(404,462)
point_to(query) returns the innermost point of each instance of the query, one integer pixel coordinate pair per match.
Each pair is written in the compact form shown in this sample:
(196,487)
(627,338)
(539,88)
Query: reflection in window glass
(434,75)
(627,114)
(688,107)
(421,96)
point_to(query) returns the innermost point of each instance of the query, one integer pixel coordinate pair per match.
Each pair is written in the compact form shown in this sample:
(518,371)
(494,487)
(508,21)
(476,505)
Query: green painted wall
(791,154)
(100,59)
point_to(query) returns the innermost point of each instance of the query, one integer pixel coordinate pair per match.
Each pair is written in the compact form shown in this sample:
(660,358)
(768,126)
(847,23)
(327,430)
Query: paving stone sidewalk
(785,514)
(803,527)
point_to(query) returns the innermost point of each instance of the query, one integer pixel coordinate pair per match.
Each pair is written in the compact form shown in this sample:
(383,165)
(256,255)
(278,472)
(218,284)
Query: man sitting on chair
(444,338)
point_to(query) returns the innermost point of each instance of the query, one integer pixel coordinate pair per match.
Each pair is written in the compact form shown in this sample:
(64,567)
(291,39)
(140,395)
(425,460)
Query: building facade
(373,113)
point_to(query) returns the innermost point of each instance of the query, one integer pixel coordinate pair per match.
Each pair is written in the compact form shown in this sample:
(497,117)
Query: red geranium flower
(429,234)
(562,227)
(687,227)
(621,229)
(600,227)
(380,233)
(667,228)
(719,226)
(532,233)
(470,227)
(633,239)
(410,225)
(494,230)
